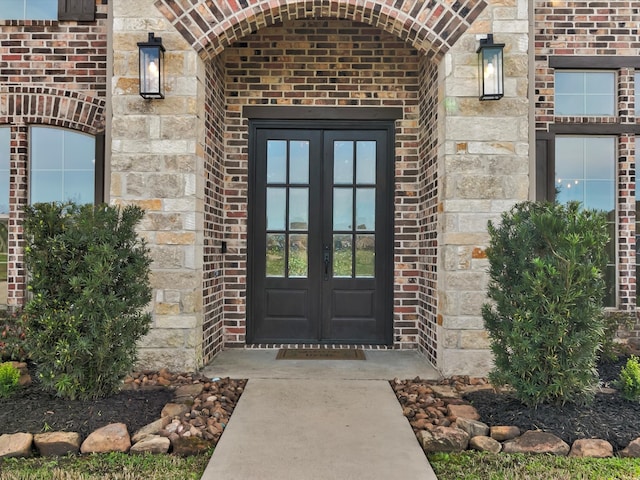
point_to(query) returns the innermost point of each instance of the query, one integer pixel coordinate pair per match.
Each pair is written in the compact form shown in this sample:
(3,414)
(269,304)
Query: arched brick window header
(430,26)
(51,106)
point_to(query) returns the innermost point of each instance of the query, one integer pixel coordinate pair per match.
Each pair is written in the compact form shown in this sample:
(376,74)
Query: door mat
(320,354)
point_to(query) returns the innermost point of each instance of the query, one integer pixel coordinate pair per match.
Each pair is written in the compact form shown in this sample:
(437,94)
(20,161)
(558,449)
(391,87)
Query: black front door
(320,256)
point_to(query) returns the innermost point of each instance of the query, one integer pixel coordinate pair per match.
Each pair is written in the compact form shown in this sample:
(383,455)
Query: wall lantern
(151,67)
(490,74)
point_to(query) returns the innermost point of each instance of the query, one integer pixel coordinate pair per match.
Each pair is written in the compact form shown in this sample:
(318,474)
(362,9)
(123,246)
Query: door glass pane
(298,256)
(298,208)
(299,162)
(365,209)
(342,208)
(365,255)
(276,161)
(275,254)
(342,163)
(342,257)
(366,162)
(276,208)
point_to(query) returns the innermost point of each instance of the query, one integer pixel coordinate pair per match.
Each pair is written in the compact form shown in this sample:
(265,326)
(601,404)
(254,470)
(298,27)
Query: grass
(482,466)
(111,466)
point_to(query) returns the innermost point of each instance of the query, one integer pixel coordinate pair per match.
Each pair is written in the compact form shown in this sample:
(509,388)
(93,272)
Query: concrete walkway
(318,419)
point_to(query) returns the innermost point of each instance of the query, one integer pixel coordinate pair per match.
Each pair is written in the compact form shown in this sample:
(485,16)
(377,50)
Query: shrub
(546,321)
(9,378)
(89,278)
(629,379)
(12,337)
(614,321)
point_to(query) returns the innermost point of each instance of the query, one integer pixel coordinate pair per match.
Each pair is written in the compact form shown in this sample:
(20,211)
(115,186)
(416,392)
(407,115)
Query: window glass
(29,9)
(585,93)
(585,172)
(62,166)
(5,145)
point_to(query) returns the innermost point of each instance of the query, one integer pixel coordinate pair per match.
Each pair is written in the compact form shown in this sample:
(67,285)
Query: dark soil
(32,410)
(609,417)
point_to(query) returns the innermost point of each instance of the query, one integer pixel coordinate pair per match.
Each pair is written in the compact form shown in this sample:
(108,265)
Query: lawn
(112,466)
(482,466)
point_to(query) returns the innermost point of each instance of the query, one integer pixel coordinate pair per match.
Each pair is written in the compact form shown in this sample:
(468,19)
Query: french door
(320,238)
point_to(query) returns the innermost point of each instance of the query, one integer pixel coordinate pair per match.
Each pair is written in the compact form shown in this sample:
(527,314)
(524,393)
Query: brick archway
(430,26)
(52,106)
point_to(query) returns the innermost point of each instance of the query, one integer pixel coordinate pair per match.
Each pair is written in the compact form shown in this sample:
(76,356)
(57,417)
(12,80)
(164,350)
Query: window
(79,10)
(585,171)
(62,166)
(585,93)
(28,9)
(5,138)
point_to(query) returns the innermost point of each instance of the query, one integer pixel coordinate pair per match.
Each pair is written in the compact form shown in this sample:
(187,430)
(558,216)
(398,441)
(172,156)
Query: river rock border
(190,424)
(444,422)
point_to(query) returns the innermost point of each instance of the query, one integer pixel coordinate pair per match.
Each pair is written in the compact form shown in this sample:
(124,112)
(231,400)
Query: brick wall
(213,272)
(428,221)
(324,63)
(606,29)
(51,73)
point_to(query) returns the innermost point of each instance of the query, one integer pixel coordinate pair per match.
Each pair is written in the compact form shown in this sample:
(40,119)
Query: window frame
(66,10)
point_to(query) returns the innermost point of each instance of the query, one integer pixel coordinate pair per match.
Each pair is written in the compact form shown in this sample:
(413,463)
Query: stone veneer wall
(324,63)
(608,29)
(158,156)
(483,155)
(51,73)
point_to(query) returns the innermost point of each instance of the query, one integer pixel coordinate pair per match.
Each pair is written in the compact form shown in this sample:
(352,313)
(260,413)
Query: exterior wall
(459,162)
(484,170)
(608,29)
(51,73)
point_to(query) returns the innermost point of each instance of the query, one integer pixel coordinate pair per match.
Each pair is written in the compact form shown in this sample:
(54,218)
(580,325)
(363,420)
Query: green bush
(629,379)
(89,283)
(546,320)
(12,337)
(9,378)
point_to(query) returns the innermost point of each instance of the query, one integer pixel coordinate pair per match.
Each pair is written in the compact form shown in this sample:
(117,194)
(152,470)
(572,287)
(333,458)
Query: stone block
(462,411)
(111,438)
(52,444)
(485,444)
(16,445)
(443,439)
(536,442)
(151,444)
(151,429)
(473,427)
(504,432)
(591,447)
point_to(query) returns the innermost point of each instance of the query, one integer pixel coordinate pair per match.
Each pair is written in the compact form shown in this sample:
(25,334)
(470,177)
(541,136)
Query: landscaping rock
(151,444)
(151,429)
(111,438)
(462,411)
(187,446)
(591,447)
(502,433)
(473,427)
(485,444)
(186,392)
(536,442)
(632,450)
(16,445)
(57,443)
(174,410)
(443,439)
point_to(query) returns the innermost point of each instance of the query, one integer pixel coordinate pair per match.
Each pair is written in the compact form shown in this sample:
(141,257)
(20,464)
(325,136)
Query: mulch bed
(32,410)
(609,417)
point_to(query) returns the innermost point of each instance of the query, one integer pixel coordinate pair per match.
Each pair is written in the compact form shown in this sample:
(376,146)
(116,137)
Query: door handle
(327,261)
